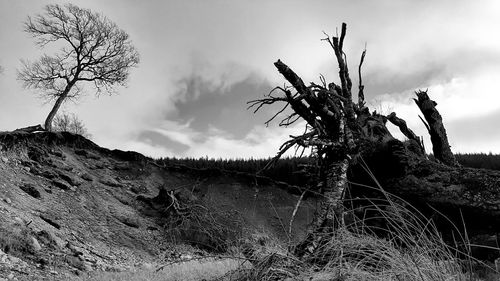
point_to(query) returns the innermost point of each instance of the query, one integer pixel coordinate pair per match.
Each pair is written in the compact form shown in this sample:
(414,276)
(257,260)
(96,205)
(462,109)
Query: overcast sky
(201,61)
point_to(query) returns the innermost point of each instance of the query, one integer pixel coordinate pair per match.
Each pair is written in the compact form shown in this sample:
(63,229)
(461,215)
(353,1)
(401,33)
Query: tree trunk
(329,215)
(55,108)
(440,146)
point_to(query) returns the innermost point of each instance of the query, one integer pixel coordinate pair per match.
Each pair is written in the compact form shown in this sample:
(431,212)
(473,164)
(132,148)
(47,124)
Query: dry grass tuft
(398,243)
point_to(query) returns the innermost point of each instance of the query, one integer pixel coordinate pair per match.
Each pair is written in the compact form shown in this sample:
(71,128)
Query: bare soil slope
(69,207)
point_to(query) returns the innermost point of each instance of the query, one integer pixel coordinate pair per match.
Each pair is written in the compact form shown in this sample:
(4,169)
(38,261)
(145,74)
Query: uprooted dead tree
(355,151)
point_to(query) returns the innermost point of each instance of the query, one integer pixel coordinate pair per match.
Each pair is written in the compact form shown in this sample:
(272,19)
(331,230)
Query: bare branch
(361,87)
(440,145)
(407,132)
(289,120)
(295,140)
(342,36)
(270,99)
(425,124)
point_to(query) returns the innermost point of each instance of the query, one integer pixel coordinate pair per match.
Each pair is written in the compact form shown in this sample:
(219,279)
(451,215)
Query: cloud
(468,105)
(210,118)
(220,103)
(157,139)
(259,142)
(436,69)
(475,134)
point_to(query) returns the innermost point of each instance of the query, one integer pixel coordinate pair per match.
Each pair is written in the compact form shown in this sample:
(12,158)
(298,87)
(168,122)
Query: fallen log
(459,200)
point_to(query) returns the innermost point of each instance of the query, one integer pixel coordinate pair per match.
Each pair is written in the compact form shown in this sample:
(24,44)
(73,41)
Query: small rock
(135,189)
(90,259)
(37,154)
(5,159)
(58,153)
(87,266)
(36,246)
(48,219)
(75,262)
(48,174)
(76,271)
(31,190)
(13,259)
(87,177)
(114,268)
(43,262)
(62,185)
(71,179)
(53,272)
(7,200)
(87,154)
(81,152)
(186,257)
(51,239)
(147,266)
(77,251)
(10,276)
(35,171)
(129,221)
(122,166)
(110,182)
(19,220)
(66,168)
(27,163)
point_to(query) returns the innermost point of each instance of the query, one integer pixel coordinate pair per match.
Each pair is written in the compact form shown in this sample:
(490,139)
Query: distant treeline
(291,170)
(479,160)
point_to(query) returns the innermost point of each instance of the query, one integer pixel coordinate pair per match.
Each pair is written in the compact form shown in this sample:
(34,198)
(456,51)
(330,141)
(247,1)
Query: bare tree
(66,122)
(94,50)
(355,150)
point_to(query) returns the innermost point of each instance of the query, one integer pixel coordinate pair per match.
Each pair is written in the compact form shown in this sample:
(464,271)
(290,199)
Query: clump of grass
(398,243)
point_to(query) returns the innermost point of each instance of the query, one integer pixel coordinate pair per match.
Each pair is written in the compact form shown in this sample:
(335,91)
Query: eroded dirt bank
(69,208)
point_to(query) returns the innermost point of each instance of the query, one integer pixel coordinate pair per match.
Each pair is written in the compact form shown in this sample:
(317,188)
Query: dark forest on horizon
(293,170)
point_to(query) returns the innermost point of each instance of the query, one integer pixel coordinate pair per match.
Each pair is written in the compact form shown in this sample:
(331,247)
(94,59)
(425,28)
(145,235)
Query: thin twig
(294,213)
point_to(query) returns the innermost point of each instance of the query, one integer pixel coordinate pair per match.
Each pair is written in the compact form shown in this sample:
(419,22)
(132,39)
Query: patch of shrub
(188,220)
(16,240)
